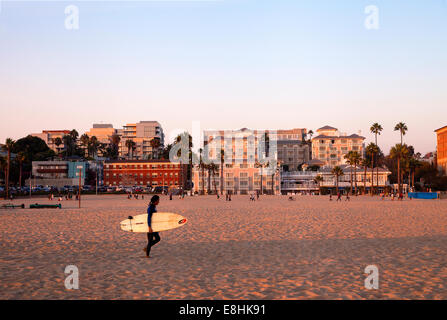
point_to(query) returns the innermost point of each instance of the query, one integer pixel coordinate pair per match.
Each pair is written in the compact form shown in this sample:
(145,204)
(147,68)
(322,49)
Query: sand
(270,249)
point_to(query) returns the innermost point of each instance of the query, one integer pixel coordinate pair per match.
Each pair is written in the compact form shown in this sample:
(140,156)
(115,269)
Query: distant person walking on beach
(152,237)
(347,197)
(338,196)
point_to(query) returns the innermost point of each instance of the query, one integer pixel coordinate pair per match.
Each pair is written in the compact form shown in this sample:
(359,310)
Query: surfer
(152,237)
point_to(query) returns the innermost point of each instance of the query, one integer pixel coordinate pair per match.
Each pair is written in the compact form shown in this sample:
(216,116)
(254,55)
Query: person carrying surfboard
(152,237)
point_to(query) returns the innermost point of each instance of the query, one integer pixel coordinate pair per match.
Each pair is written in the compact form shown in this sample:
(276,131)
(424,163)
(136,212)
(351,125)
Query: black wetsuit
(152,237)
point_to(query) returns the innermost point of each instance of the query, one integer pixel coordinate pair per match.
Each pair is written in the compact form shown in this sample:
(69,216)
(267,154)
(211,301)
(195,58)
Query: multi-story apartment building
(245,163)
(145,173)
(102,132)
(330,146)
(441,147)
(50,136)
(141,133)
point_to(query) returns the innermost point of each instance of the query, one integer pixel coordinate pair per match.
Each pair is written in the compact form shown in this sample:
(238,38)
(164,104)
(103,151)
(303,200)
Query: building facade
(144,173)
(245,163)
(141,134)
(102,132)
(58,173)
(50,136)
(441,149)
(344,181)
(330,146)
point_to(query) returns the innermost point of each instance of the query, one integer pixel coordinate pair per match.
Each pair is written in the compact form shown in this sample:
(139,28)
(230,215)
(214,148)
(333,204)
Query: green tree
(130,145)
(8,146)
(222,160)
(20,158)
(402,128)
(337,172)
(376,129)
(399,152)
(319,179)
(155,145)
(372,150)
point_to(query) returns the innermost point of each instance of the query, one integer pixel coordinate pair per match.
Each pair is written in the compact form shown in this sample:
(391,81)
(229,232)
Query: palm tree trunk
(398,174)
(208,189)
(336,184)
(203,180)
(20,175)
(7,174)
(364,180)
(221,178)
(355,177)
(351,179)
(377,177)
(372,177)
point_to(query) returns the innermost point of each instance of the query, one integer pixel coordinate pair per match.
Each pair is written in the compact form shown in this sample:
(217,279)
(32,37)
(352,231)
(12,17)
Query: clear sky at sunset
(228,64)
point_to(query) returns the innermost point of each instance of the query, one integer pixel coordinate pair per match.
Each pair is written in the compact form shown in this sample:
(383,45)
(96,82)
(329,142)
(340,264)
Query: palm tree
(130,145)
(85,141)
(94,144)
(9,144)
(413,164)
(337,172)
(356,158)
(214,169)
(202,168)
(402,127)
(57,141)
(376,129)
(399,152)
(3,167)
(222,160)
(364,163)
(115,142)
(319,179)
(74,135)
(350,160)
(311,133)
(20,157)
(155,144)
(371,150)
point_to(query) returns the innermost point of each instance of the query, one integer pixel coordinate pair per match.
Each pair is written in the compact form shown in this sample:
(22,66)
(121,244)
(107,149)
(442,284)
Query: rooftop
(327,128)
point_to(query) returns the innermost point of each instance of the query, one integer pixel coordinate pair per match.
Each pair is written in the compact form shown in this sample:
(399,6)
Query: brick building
(144,173)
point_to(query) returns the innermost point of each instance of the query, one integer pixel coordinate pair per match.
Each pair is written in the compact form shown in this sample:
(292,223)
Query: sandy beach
(310,248)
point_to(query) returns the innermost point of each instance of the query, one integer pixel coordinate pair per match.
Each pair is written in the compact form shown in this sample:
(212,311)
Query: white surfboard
(161,221)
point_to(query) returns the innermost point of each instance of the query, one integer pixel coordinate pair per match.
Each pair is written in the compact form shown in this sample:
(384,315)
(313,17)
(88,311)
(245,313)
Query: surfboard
(161,221)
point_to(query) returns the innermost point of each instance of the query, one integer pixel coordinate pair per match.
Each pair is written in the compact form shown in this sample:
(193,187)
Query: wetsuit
(152,237)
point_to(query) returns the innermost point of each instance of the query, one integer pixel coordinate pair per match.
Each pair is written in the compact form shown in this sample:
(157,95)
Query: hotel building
(293,150)
(49,136)
(441,147)
(141,133)
(144,173)
(244,154)
(330,146)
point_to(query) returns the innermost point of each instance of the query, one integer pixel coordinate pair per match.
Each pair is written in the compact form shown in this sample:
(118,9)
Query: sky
(229,64)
